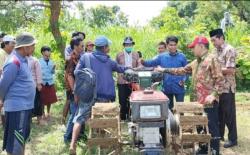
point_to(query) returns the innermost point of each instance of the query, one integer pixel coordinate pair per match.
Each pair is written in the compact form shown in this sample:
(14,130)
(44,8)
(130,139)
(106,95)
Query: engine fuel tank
(149,106)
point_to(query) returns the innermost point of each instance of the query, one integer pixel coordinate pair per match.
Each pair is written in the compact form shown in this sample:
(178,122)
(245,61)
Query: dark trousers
(124,91)
(38,107)
(213,126)
(178,98)
(227,115)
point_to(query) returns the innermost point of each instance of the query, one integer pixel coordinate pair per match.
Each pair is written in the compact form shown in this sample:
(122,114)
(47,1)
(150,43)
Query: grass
(48,140)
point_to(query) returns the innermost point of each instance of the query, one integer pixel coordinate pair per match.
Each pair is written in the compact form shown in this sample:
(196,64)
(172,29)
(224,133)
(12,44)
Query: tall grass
(146,39)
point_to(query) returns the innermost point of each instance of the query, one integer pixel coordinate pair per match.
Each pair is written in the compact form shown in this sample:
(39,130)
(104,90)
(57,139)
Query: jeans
(70,124)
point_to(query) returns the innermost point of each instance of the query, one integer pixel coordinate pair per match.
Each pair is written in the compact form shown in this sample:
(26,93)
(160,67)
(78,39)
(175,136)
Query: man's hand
(141,61)
(159,69)
(210,99)
(39,87)
(181,83)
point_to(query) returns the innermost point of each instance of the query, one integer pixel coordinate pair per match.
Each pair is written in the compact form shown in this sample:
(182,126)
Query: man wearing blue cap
(103,66)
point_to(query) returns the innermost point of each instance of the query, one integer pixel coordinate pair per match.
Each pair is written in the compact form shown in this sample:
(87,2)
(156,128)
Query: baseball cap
(102,41)
(198,40)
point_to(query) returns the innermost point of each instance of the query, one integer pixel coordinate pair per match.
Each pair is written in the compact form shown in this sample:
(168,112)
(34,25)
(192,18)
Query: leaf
(248,76)
(247,63)
(245,71)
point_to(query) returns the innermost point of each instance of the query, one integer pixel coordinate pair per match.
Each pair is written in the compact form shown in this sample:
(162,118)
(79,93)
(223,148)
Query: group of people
(27,84)
(26,87)
(213,85)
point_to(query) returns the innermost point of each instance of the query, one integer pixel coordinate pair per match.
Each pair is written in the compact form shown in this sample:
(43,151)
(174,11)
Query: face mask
(128,49)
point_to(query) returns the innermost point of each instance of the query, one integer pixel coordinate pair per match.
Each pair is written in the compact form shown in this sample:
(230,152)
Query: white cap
(9,38)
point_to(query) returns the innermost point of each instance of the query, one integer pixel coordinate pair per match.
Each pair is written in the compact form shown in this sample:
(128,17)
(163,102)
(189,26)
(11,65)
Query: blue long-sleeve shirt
(48,71)
(167,60)
(103,66)
(17,88)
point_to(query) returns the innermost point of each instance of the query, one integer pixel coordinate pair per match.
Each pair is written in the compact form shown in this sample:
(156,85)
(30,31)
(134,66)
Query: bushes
(238,36)
(146,38)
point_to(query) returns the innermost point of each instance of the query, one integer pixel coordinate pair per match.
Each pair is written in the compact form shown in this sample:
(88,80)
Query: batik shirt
(207,78)
(226,56)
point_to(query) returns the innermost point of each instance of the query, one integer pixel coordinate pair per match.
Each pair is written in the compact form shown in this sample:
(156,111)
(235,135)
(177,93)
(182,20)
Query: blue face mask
(128,49)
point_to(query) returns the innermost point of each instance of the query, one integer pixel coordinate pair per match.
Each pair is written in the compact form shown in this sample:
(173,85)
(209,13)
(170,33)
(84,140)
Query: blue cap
(102,41)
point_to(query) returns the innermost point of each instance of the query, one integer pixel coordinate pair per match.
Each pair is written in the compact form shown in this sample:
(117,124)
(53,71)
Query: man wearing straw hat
(17,90)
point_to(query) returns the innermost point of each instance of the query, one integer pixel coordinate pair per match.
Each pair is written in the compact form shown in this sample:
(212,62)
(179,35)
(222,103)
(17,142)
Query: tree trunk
(55,8)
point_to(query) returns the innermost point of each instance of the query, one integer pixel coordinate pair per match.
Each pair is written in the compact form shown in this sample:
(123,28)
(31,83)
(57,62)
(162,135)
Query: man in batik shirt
(207,84)
(226,56)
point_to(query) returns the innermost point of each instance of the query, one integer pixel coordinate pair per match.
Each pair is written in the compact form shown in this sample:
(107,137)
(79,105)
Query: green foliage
(185,20)
(185,8)
(102,16)
(15,15)
(238,37)
(169,19)
(243,10)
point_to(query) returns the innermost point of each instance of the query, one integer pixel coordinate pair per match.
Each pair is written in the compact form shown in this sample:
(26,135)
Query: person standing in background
(77,46)
(48,92)
(67,54)
(127,58)
(173,85)
(68,50)
(226,56)
(7,46)
(89,47)
(162,47)
(35,68)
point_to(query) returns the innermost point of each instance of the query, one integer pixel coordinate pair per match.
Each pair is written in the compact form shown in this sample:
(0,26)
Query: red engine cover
(138,96)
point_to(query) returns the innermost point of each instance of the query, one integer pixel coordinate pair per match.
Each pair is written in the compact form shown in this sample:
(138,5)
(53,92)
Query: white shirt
(128,59)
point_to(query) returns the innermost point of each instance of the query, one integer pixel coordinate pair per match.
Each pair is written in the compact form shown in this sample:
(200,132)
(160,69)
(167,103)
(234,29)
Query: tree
(184,8)
(169,19)
(102,16)
(15,15)
(243,9)
(55,9)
